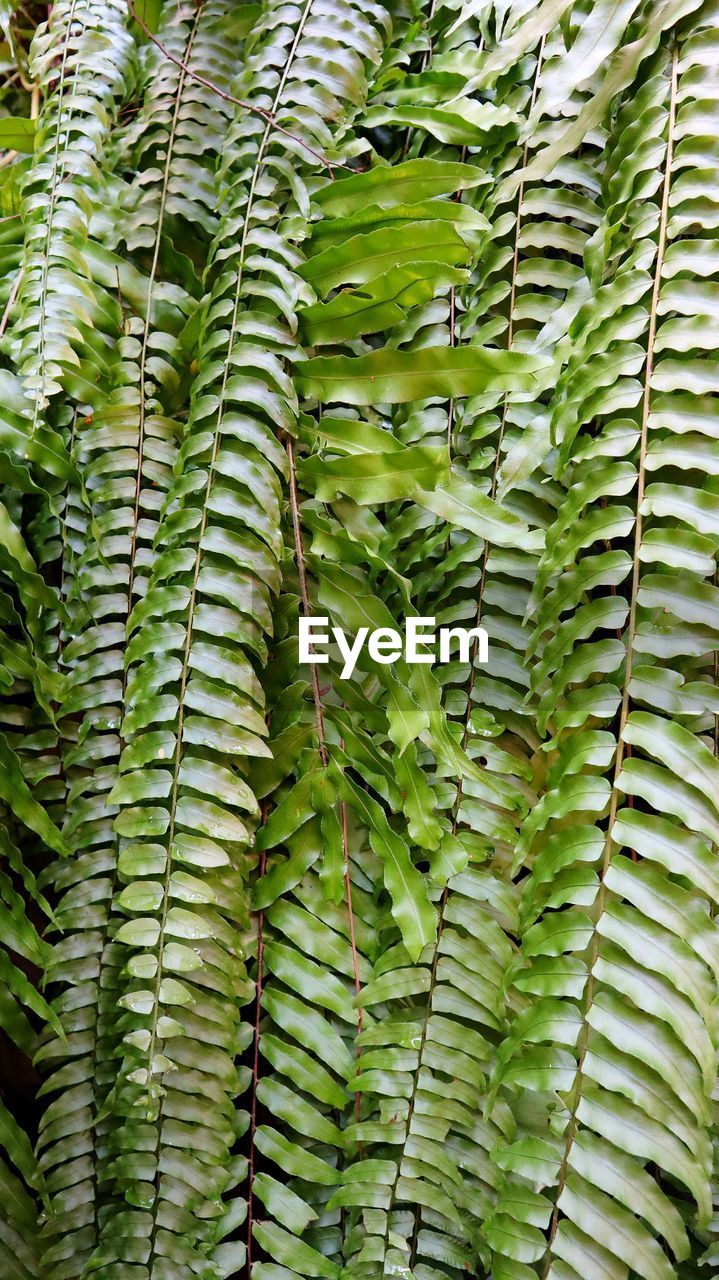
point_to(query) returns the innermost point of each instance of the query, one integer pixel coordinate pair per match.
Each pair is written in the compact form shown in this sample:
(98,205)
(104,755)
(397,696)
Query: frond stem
(473,655)
(319,721)
(45,277)
(255,1063)
(305,596)
(583,1039)
(211,470)
(170,147)
(268,116)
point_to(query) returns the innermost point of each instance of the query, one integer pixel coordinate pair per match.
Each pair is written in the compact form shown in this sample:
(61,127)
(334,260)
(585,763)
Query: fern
(358,312)
(23,954)
(227,462)
(623,1065)
(125,452)
(82,55)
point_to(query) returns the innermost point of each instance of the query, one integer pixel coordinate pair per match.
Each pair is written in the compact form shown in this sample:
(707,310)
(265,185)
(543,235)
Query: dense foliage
(363,311)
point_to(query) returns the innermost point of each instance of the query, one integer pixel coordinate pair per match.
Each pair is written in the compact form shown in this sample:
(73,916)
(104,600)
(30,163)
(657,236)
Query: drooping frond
(125,451)
(27,686)
(207,605)
(358,315)
(79,61)
(622,1024)
(23,955)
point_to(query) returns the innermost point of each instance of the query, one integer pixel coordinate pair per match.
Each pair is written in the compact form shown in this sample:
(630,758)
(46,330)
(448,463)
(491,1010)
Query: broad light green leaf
(462,503)
(394,377)
(377,477)
(411,906)
(404,183)
(17,133)
(364,257)
(149,12)
(463,123)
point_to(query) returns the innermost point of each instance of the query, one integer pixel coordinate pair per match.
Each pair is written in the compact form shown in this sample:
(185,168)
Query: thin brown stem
(453,327)
(500,440)
(304,593)
(211,472)
(11,301)
(452,343)
(427,56)
(267,116)
(255,1065)
(515,261)
(319,721)
(353,942)
(147,329)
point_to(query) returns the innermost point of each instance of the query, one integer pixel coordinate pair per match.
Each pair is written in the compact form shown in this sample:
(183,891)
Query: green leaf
(17,795)
(17,134)
(149,12)
(462,503)
(376,477)
(411,906)
(469,124)
(364,257)
(395,377)
(404,183)
(378,305)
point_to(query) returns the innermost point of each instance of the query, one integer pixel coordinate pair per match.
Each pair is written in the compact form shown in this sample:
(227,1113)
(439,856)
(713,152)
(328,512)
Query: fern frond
(312,954)
(423,1067)
(125,452)
(180,116)
(212,617)
(22,957)
(358,312)
(79,61)
(609,1027)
